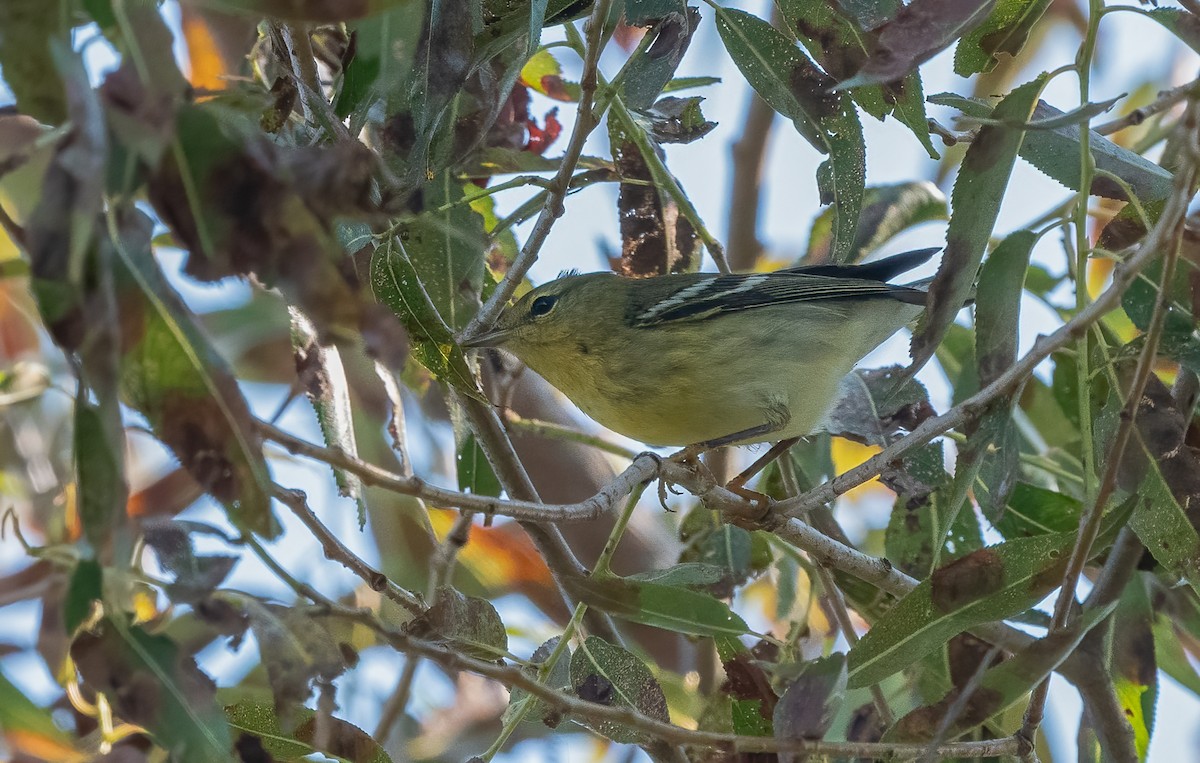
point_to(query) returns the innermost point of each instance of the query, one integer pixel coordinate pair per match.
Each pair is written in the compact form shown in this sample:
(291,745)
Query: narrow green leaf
(1183,24)
(397,285)
(835,41)
(662,606)
(609,675)
(652,67)
(323,378)
(99,465)
(991,584)
(19,714)
(1001,687)
(86,586)
(152,682)
(1134,662)
(1033,510)
(1056,153)
(975,204)
(1005,31)
(27,28)
(385,48)
(998,306)
(475,473)
(792,85)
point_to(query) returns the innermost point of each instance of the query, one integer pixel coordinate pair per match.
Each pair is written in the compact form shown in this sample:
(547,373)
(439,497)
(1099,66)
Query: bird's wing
(711,296)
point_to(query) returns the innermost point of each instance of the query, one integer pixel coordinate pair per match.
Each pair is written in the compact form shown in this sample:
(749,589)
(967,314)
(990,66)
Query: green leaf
(174,377)
(152,682)
(913,530)
(1001,687)
(978,191)
(1056,153)
(323,378)
(347,742)
(998,305)
(1166,496)
(663,606)
(1170,655)
(888,210)
(397,284)
(1033,510)
(468,624)
(559,679)
(27,29)
(446,246)
(697,576)
(1183,24)
(991,584)
(792,85)
(19,714)
(836,42)
(687,83)
(99,464)
(807,707)
(1005,31)
(1134,664)
(86,586)
(385,47)
(916,34)
(651,67)
(475,473)
(609,675)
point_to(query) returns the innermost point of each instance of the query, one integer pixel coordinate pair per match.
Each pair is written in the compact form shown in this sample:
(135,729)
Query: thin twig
(548,539)
(443,566)
(304,67)
(833,595)
(1166,100)
(337,551)
(550,430)
(585,121)
(641,469)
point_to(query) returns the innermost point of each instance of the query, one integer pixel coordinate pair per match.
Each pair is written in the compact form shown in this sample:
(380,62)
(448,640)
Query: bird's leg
(738,483)
(777,417)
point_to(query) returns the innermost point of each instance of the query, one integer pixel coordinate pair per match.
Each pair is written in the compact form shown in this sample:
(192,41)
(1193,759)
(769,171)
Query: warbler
(704,359)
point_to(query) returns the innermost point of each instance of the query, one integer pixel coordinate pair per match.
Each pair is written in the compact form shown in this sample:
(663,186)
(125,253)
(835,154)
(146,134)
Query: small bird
(707,360)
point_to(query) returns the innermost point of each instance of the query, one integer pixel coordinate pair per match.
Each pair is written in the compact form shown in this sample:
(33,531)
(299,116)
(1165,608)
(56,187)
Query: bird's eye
(542,305)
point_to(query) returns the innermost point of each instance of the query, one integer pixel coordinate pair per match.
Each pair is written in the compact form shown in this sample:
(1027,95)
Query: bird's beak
(493,338)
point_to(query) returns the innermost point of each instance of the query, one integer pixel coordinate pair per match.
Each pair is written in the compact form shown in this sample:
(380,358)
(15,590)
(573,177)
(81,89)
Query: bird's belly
(686,414)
